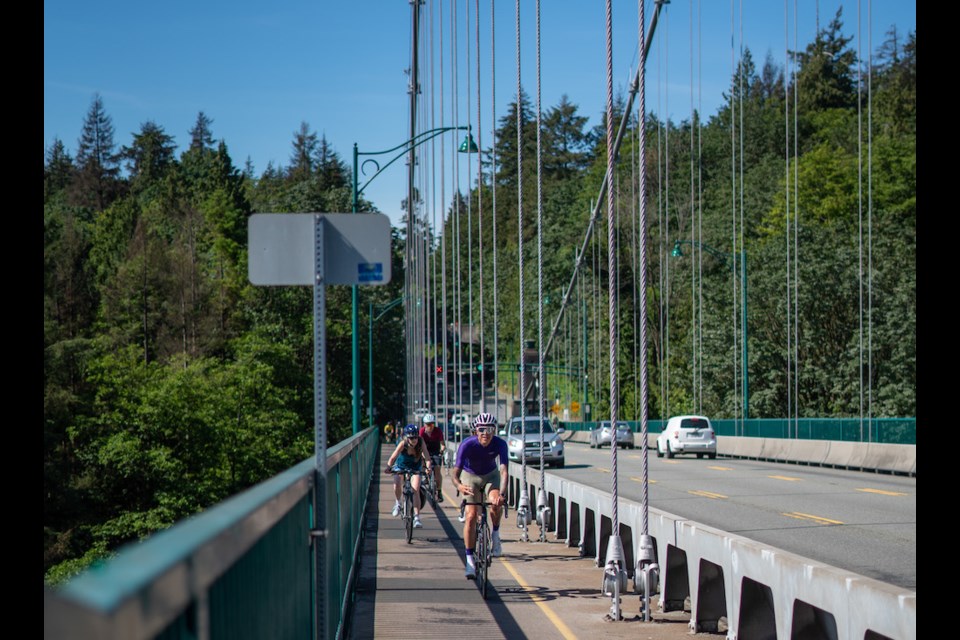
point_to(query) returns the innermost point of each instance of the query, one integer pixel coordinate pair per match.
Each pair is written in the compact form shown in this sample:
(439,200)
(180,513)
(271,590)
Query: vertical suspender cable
(614,571)
(870,433)
(541,377)
(457,268)
(733,187)
(742,333)
(483,395)
(636,159)
(860,276)
(445,391)
(693,271)
(700,184)
(611,272)
(786,183)
(469,218)
(666,211)
(436,223)
(493,189)
(796,235)
(523,506)
(646,557)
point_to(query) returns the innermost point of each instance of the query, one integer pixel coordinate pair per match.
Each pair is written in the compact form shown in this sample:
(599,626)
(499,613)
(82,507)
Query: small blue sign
(370,272)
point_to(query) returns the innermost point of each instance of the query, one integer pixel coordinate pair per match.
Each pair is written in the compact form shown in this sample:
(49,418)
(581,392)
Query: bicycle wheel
(482,557)
(431,489)
(408,516)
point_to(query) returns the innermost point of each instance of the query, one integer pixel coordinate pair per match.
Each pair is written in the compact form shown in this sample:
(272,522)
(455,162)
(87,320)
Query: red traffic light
(439,369)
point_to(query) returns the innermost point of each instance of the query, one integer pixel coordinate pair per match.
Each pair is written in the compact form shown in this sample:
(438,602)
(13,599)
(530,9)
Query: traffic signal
(439,369)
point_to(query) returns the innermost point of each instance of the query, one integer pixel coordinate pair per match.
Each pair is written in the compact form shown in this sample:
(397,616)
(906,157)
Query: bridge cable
(542,382)
(483,395)
(614,571)
(523,507)
(493,189)
(470,368)
(457,268)
(443,237)
(646,567)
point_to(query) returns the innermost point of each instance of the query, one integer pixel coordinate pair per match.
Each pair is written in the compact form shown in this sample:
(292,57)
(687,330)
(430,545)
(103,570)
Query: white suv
(687,434)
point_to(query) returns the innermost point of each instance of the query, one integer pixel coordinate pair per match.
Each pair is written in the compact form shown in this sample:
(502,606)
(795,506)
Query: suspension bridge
(805,527)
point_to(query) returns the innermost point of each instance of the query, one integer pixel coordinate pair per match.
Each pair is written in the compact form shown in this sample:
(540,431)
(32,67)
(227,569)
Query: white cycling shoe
(471,571)
(416,523)
(396,510)
(497,546)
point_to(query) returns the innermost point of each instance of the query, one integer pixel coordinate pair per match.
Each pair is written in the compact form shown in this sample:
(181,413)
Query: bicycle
(431,488)
(483,554)
(406,502)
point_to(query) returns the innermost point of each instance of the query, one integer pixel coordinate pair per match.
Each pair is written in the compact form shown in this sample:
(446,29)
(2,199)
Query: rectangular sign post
(319,249)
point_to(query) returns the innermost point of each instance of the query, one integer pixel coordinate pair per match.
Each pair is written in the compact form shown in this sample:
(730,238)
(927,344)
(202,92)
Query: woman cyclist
(479,473)
(410,452)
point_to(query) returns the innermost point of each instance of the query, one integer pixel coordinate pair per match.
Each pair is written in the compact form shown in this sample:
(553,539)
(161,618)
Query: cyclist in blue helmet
(480,473)
(411,451)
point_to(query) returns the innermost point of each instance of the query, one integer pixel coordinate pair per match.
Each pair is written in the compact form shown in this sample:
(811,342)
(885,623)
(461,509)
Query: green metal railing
(880,430)
(241,569)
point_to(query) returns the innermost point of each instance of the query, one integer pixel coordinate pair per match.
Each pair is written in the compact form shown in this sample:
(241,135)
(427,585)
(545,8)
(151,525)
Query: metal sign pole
(320,429)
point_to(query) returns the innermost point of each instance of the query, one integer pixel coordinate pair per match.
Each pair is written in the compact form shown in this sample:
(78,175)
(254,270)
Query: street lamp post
(730,259)
(383,309)
(467,146)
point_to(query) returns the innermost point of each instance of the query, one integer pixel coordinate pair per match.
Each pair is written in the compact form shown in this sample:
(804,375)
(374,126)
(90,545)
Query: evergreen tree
(332,171)
(827,67)
(304,154)
(201,136)
(97,162)
(565,146)
(57,169)
(150,156)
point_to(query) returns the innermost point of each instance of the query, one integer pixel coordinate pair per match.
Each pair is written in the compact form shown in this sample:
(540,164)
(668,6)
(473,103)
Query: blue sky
(260,69)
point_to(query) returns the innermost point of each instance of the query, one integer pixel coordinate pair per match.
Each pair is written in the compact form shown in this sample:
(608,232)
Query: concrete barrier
(888,458)
(757,590)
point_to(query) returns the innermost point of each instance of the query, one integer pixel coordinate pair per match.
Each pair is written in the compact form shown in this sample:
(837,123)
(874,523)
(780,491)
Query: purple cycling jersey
(478,459)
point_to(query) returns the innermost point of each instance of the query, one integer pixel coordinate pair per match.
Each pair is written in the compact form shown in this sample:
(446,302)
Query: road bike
(406,502)
(431,481)
(483,554)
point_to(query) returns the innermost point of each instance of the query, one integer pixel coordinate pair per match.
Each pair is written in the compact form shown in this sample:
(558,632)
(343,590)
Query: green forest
(171,383)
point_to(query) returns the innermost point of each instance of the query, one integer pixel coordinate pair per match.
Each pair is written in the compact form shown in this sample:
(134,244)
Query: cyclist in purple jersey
(479,473)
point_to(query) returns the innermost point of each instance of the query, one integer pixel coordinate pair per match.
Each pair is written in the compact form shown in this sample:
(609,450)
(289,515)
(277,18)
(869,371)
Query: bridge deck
(538,589)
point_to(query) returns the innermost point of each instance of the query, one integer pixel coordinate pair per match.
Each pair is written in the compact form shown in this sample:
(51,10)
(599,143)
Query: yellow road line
(807,516)
(787,478)
(539,600)
(672,462)
(721,468)
(635,479)
(883,493)
(706,494)
(602,469)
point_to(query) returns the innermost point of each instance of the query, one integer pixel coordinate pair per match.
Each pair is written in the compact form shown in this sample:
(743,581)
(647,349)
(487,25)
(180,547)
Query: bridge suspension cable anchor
(614,577)
(543,516)
(523,514)
(646,577)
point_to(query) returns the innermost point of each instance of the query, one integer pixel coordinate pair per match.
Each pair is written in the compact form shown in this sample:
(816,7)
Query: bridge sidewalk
(538,589)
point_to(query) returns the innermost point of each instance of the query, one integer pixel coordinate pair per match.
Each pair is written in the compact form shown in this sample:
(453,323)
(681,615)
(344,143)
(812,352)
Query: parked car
(601,435)
(687,434)
(524,436)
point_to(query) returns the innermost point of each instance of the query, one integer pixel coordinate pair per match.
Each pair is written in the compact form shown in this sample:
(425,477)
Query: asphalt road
(862,522)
